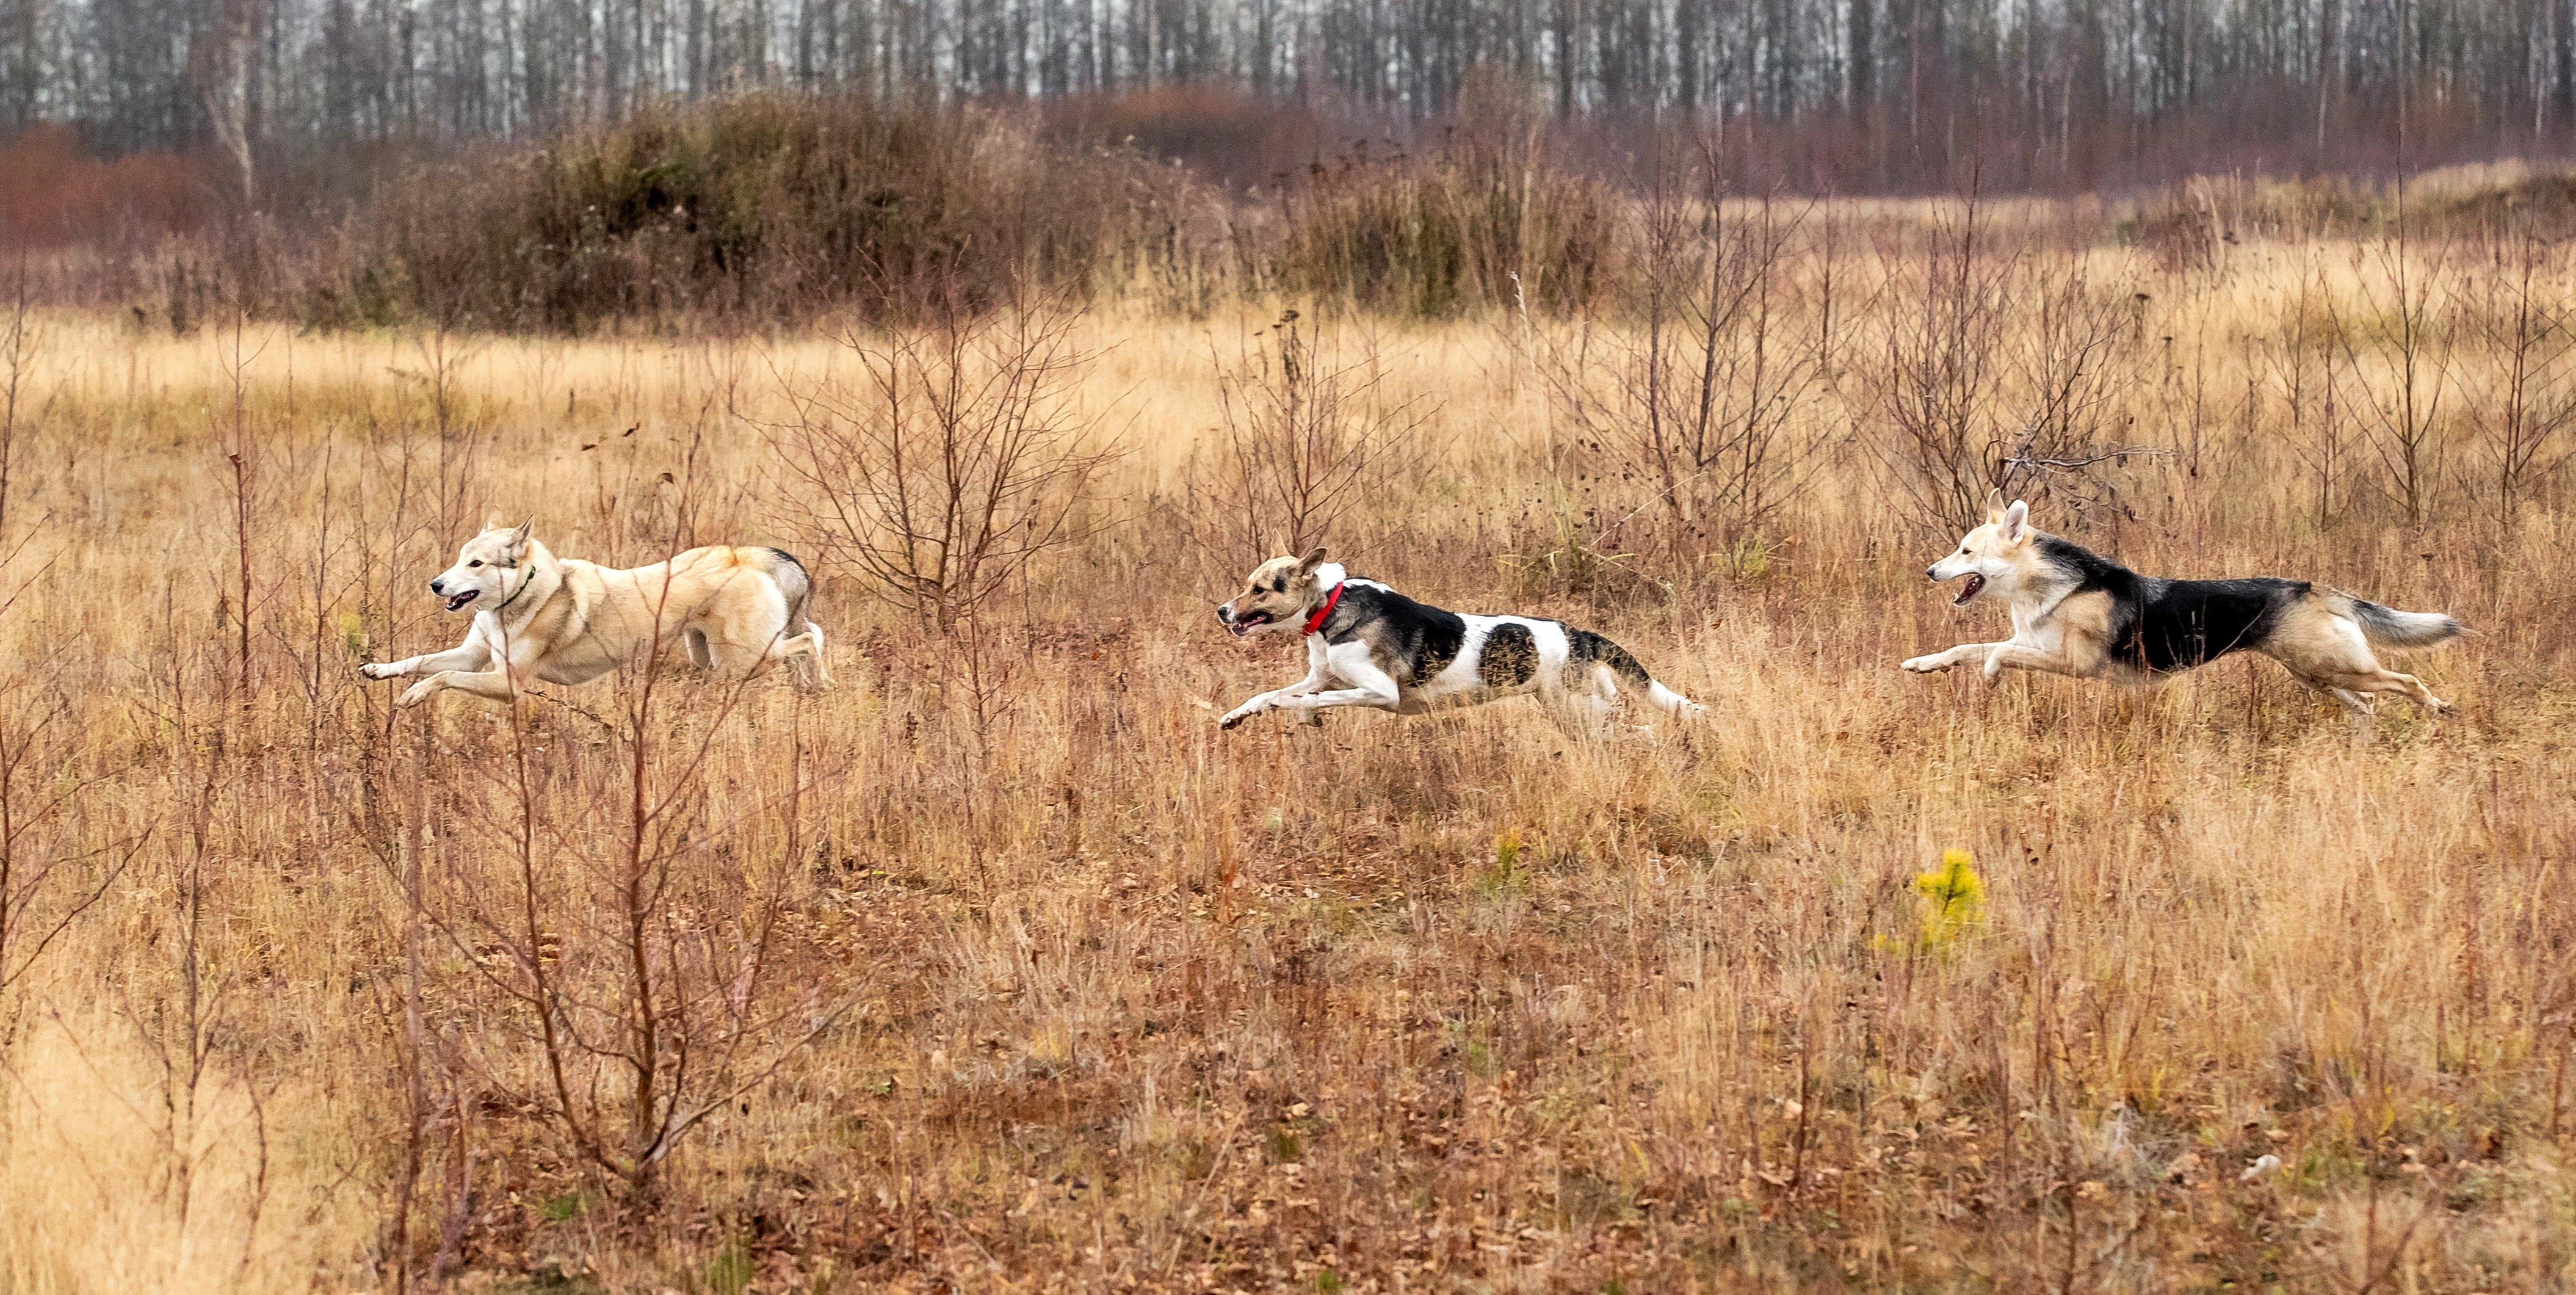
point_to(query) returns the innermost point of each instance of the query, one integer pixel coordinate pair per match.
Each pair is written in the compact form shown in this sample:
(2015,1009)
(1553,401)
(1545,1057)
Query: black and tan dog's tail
(2388,627)
(1585,648)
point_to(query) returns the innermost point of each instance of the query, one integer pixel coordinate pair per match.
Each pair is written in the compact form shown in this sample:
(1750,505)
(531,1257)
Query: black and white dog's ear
(2016,521)
(1314,558)
(1994,505)
(519,537)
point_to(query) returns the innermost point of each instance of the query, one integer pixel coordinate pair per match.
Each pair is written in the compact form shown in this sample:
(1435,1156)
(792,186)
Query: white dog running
(566,621)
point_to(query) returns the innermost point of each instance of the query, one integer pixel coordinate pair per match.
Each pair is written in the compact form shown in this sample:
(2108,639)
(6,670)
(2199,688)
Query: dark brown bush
(759,210)
(1489,220)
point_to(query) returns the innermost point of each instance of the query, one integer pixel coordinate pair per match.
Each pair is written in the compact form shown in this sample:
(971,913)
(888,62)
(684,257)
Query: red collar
(1316,621)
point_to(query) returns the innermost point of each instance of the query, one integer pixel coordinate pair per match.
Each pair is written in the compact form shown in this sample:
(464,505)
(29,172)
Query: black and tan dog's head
(1992,555)
(1280,591)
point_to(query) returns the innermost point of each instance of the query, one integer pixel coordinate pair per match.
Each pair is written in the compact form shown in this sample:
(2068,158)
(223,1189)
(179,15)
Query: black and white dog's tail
(1585,648)
(2388,627)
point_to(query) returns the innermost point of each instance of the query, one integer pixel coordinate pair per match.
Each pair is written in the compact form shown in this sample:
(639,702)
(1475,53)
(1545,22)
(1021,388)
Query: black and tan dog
(1367,645)
(2075,612)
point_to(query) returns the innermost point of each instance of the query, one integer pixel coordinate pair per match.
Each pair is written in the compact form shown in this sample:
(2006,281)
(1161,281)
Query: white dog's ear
(1994,505)
(2016,521)
(519,537)
(1314,558)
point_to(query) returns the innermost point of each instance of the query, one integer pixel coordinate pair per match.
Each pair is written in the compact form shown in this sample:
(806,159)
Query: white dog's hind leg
(804,657)
(812,650)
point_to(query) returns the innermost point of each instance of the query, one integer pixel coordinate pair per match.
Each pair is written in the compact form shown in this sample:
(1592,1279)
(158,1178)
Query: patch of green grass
(730,1272)
(1505,876)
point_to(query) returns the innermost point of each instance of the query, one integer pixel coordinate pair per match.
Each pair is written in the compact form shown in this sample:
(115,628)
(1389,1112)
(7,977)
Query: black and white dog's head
(1281,591)
(488,569)
(1995,555)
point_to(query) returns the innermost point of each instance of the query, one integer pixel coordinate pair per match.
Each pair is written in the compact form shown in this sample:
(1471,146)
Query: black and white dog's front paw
(376,670)
(1241,713)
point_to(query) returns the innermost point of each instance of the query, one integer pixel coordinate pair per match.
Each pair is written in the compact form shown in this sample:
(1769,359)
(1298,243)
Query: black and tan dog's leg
(2352,701)
(1940,661)
(2075,659)
(2383,679)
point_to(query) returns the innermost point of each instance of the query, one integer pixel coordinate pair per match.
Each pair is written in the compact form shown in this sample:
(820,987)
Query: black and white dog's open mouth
(457,603)
(1246,623)
(1975,584)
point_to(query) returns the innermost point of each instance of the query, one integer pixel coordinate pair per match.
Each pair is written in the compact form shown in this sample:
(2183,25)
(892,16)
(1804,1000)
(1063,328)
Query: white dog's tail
(793,582)
(1587,648)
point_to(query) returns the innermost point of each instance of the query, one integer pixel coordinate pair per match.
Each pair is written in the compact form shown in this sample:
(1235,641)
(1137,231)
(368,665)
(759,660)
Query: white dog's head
(488,569)
(1278,592)
(1991,554)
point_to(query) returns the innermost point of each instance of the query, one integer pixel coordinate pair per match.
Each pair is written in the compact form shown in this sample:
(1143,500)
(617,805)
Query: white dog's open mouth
(1976,584)
(457,603)
(1246,623)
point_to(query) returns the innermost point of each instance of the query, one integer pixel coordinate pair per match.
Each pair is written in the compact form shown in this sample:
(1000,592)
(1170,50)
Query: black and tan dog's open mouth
(1975,585)
(458,602)
(1246,623)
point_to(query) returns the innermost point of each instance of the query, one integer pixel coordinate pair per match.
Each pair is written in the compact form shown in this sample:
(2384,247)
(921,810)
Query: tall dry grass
(1024,976)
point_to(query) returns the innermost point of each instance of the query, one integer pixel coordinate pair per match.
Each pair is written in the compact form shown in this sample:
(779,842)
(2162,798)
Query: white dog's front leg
(1940,661)
(493,685)
(472,654)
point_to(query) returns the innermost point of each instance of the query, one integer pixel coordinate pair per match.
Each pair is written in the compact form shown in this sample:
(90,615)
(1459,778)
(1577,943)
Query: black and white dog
(2075,612)
(1367,645)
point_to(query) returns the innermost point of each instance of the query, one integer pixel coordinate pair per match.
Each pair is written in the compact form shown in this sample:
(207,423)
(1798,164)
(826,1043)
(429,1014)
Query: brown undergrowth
(1000,967)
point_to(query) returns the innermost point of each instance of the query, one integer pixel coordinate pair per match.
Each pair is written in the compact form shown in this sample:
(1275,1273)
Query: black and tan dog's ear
(1314,558)
(519,537)
(1994,505)
(2016,521)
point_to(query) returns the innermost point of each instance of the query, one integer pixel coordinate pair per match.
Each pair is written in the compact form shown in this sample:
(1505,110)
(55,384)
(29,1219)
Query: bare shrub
(1972,400)
(2395,352)
(2071,385)
(49,873)
(2517,314)
(1937,380)
(2300,360)
(1309,428)
(952,461)
(1701,397)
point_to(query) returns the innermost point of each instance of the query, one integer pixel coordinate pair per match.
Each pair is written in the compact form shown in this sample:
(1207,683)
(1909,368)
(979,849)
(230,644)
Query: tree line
(1861,93)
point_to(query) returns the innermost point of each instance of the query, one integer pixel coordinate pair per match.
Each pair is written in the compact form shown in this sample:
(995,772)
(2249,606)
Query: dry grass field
(1000,967)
